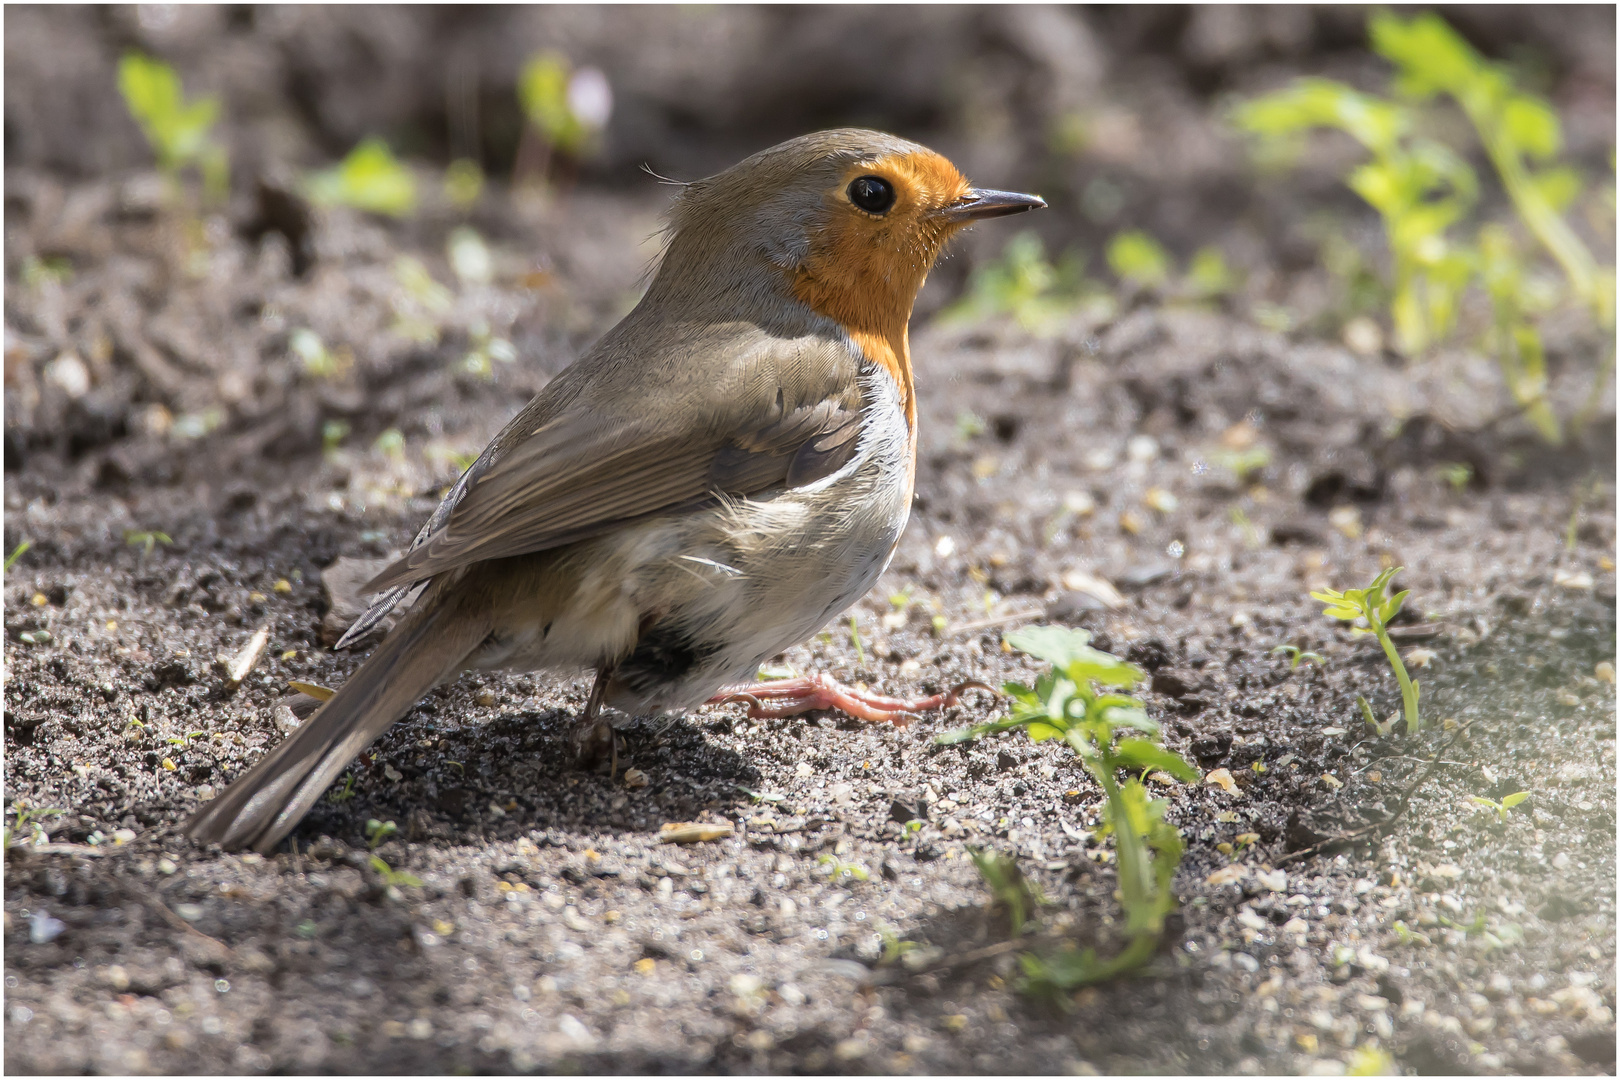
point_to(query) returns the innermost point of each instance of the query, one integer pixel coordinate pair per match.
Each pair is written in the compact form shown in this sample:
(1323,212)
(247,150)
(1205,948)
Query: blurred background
(530,125)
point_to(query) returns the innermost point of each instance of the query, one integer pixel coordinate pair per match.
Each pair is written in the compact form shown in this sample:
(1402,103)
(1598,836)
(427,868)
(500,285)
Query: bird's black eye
(871,193)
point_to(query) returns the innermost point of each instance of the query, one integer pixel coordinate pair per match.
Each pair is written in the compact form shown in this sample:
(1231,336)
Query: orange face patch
(863,270)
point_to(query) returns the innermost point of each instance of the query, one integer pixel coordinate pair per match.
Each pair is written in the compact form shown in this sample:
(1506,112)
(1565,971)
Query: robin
(727,469)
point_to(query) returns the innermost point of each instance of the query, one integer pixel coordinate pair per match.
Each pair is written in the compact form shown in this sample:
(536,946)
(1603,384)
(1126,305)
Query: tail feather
(428,646)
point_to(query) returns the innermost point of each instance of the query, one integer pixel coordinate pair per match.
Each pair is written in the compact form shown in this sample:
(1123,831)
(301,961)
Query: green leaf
(1208,273)
(1560,186)
(1144,754)
(176,130)
(368,179)
(1510,801)
(17,553)
(1057,645)
(1138,258)
(1533,126)
(1041,732)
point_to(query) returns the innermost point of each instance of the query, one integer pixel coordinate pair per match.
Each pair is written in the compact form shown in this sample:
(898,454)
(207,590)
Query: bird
(725,470)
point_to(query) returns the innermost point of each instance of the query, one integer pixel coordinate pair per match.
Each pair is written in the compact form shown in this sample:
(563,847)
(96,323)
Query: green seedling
(319,361)
(895,948)
(1425,191)
(146,540)
(1010,890)
(25,828)
(177,130)
(1369,1060)
(855,639)
(762,796)
(463,183)
(1372,605)
(1208,275)
(1508,802)
(370,178)
(1251,535)
(1080,701)
(487,350)
(51,269)
(567,108)
(1384,727)
(391,443)
(1243,463)
(1028,286)
(378,833)
(17,553)
(1295,656)
(969,425)
(1456,473)
(1138,259)
(843,872)
(333,432)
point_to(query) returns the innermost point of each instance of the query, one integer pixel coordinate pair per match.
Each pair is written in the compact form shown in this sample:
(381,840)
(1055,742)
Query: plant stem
(1409,698)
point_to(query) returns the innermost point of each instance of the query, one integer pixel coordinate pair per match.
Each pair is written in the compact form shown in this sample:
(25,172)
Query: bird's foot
(596,742)
(788,697)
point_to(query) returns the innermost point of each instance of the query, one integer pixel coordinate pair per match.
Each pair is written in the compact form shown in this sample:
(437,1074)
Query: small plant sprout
(379,833)
(1383,728)
(333,432)
(1426,192)
(391,444)
(1456,473)
(841,872)
(1372,605)
(1080,701)
(1508,802)
(1010,890)
(1025,284)
(1137,258)
(567,109)
(855,639)
(370,178)
(463,183)
(17,553)
(146,540)
(1208,275)
(176,129)
(1295,656)
(25,828)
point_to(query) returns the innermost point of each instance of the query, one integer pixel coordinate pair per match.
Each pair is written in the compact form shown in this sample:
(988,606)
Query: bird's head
(847,222)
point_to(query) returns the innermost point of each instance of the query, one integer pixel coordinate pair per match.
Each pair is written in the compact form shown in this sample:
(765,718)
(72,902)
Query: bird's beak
(981,203)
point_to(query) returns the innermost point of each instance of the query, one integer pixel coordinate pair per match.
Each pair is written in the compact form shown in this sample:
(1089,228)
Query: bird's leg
(787,697)
(593,736)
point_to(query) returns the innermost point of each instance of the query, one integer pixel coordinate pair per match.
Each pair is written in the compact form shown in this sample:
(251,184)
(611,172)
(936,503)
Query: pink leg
(821,691)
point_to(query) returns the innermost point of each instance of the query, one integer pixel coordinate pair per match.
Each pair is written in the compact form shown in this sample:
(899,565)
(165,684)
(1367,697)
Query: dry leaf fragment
(314,690)
(1093,586)
(1227,875)
(1222,778)
(692,832)
(238,666)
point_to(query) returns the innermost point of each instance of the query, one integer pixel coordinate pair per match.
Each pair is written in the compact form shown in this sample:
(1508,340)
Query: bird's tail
(428,646)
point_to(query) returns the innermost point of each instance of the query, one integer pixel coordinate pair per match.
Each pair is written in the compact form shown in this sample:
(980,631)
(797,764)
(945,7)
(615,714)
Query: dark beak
(980,203)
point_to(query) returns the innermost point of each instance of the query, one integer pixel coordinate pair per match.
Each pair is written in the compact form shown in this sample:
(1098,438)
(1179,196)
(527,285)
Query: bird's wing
(776,414)
(391,598)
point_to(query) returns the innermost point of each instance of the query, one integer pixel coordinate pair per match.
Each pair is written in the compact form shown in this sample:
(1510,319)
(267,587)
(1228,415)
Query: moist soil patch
(1340,894)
